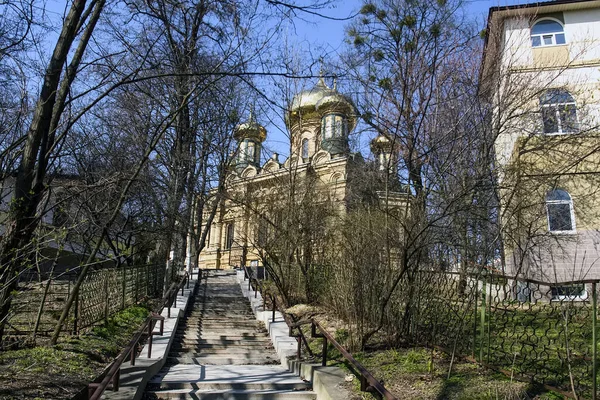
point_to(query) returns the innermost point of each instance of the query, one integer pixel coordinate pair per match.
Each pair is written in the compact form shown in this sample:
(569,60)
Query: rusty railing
(368,383)
(95,390)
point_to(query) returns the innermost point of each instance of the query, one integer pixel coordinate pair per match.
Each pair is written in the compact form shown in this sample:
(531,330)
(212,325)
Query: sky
(318,36)
(328,35)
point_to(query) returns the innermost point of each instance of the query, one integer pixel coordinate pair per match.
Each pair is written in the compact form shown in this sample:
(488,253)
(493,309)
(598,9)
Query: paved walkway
(223,352)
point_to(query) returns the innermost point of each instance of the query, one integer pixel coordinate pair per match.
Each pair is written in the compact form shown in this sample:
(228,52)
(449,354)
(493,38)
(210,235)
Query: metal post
(115,380)
(132,356)
(324,361)
(594,341)
(482,322)
(475,301)
(76,313)
(150,339)
(106,296)
(299,351)
(363,384)
(123,285)
(273,312)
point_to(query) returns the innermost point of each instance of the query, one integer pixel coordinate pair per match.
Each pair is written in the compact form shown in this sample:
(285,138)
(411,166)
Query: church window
(305,148)
(263,232)
(334,125)
(229,236)
(250,152)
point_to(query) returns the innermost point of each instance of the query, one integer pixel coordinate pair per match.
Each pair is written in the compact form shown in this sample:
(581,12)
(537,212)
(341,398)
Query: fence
(39,301)
(541,331)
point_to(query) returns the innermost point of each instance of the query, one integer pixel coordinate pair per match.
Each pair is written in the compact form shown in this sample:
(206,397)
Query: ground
(62,371)
(415,372)
(410,373)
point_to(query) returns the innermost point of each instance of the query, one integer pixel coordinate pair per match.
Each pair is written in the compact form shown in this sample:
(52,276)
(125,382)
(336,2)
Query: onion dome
(381,144)
(333,102)
(250,130)
(307,100)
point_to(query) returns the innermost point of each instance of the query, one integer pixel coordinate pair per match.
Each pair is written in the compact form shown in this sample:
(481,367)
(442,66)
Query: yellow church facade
(319,170)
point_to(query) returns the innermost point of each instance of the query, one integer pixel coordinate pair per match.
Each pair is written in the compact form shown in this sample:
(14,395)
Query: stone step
(200,347)
(195,352)
(234,394)
(231,359)
(245,341)
(292,385)
(221,336)
(221,321)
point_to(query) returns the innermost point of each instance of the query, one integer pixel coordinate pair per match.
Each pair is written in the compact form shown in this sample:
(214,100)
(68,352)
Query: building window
(547,32)
(571,292)
(229,236)
(262,236)
(305,148)
(251,152)
(333,125)
(559,206)
(559,112)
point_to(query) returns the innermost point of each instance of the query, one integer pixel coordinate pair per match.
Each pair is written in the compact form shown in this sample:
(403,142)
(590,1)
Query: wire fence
(38,303)
(541,331)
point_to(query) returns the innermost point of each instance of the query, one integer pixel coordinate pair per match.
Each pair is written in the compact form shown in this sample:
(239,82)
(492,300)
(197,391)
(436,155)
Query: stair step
(220,346)
(231,359)
(231,342)
(222,352)
(232,351)
(235,394)
(290,385)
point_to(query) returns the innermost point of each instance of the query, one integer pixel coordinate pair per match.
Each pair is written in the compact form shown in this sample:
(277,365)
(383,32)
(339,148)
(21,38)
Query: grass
(422,373)
(61,371)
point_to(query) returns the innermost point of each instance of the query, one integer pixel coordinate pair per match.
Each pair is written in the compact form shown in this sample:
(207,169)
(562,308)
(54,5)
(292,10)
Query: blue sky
(317,36)
(322,36)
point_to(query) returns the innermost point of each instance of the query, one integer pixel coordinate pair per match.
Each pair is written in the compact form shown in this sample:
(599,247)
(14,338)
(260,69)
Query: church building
(321,168)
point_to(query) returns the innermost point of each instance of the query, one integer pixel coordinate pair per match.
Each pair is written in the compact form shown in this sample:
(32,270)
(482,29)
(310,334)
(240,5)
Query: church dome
(307,100)
(336,103)
(250,130)
(321,100)
(381,144)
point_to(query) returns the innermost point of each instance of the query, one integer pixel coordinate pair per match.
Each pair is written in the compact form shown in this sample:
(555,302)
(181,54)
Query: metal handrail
(368,383)
(95,390)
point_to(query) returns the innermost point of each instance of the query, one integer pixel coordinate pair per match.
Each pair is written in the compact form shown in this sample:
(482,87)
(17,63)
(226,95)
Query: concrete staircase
(222,352)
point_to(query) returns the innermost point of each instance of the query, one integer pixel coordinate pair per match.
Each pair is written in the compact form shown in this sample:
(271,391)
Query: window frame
(552,35)
(329,125)
(548,203)
(557,114)
(555,296)
(229,235)
(304,148)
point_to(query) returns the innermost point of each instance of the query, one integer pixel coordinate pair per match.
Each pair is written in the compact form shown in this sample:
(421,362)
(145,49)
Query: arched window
(229,232)
(251,152)
(547,32)
(559,112)
(304,148)
(559,206)
(333,125)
